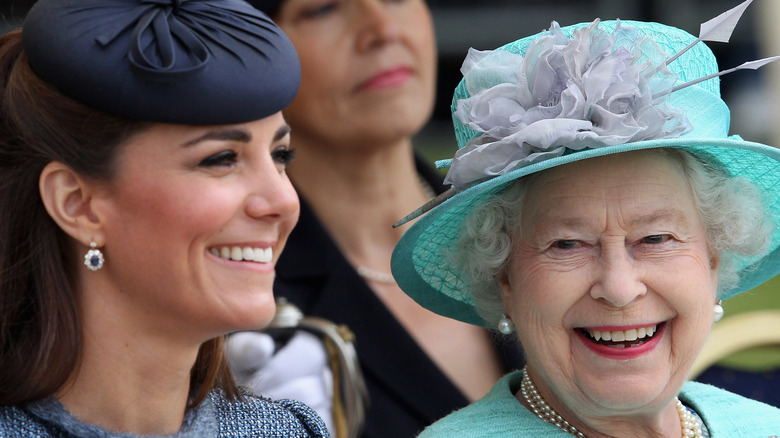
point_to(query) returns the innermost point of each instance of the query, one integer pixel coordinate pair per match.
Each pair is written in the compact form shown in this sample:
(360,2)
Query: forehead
(641,186)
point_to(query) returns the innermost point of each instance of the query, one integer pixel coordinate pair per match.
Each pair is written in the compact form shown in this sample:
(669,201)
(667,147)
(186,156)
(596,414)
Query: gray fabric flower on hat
(592,90)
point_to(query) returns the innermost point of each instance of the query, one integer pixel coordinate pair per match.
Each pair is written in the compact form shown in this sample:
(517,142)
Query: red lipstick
(621,350)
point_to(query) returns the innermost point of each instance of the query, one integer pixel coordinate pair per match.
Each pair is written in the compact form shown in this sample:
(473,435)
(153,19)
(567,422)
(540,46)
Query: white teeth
(620,336)
(263,255)
(246,253)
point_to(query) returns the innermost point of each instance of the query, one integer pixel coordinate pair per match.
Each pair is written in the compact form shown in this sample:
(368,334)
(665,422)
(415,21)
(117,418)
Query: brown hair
(40,330)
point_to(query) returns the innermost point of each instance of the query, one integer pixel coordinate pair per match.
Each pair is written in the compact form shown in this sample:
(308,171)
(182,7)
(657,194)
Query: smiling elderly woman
(602,210)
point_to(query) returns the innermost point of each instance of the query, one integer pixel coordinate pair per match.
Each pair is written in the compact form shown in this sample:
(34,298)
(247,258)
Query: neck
(128,380)
(359,194)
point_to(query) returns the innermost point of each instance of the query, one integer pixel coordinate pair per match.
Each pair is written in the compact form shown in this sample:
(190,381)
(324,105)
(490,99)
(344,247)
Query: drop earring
(93,259)
(505,325)
(718,311)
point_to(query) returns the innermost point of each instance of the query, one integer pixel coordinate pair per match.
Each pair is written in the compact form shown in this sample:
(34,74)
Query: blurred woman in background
(368,84)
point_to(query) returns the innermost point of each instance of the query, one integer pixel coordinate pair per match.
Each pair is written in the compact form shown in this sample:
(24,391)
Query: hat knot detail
(194,62)
(172,37)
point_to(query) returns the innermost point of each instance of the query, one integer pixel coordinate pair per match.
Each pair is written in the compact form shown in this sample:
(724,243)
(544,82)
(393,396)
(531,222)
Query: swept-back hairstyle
(40,328)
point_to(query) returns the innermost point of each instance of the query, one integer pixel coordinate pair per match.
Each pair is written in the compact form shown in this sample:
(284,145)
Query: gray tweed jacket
(215,417)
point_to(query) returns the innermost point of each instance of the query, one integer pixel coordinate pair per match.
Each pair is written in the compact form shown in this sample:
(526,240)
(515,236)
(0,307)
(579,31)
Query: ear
(505,286)
(67,198)
(715,269)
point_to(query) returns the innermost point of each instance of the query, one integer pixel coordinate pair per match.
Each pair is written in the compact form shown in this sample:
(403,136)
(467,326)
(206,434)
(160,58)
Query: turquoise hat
(506,97)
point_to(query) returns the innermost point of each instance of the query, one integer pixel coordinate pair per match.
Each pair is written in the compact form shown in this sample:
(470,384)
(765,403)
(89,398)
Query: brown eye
(224,158)
(283,155)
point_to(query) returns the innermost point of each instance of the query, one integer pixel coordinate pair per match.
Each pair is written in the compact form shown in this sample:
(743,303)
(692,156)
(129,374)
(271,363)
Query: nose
(377,26)
(272,197)
(619,279)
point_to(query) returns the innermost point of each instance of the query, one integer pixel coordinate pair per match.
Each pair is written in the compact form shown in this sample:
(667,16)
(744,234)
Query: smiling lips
(244,254)
(622,344)
(637,334)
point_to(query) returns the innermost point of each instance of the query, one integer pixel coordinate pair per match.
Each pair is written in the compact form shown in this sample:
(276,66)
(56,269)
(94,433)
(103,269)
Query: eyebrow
(663,214)
(235,135)
(222,134)
(659,215)
(281,132)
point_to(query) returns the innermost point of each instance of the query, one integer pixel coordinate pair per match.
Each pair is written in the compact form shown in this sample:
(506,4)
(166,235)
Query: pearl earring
(718,311)
(505,325)
(93,259)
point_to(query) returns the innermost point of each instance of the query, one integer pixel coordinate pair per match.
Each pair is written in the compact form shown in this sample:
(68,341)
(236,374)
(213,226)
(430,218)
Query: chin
(253,315)
(626,394)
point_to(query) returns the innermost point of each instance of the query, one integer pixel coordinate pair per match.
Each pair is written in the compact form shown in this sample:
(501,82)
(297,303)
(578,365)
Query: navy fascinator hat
(196,62)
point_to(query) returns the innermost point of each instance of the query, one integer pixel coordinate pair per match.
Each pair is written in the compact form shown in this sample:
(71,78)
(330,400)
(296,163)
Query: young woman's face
(613,245)
(368,68)
(194,222)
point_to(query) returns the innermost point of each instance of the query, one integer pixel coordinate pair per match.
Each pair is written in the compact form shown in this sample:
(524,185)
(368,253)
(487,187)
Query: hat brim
(423,271)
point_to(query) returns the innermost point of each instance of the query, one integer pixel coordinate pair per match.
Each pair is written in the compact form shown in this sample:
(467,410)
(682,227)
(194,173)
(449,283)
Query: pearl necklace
(384,277)
(691,425)
(379,277)
(542,409)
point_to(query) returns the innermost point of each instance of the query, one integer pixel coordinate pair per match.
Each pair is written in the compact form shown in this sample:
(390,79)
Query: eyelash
(224,158)
(663,238)
(280,155)
(566,244)
(283,155)
(654,239)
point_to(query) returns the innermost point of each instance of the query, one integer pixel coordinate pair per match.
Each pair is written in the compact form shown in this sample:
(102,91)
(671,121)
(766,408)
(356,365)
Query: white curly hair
(732,211)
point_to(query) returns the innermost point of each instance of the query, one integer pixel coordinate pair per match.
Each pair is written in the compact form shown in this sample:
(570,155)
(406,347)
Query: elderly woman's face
(611,248)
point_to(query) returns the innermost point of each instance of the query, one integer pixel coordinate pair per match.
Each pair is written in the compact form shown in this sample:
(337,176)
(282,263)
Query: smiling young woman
(154,154)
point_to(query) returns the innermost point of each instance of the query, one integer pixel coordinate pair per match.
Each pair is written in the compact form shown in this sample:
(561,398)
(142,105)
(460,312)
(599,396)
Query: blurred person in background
(368,85)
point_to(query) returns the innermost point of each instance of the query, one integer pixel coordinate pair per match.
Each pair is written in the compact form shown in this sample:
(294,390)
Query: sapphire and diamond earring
(93,259)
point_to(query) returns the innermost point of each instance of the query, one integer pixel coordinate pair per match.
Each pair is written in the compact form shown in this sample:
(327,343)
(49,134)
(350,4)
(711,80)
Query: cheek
(176,209)
(287,227)
(689,282)
(323,66)
(546,289)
